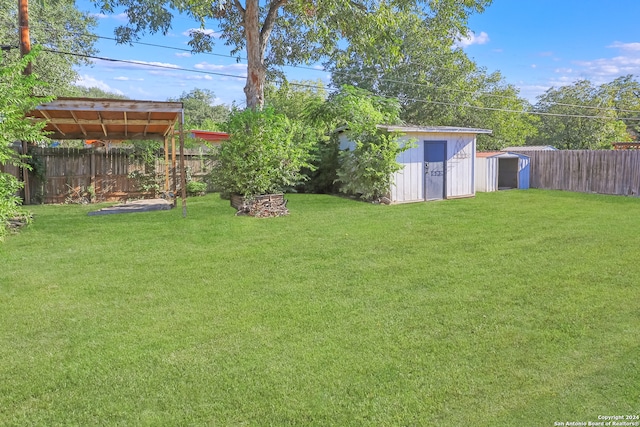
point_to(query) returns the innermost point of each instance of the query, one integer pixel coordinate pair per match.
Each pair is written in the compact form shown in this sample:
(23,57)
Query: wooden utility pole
(25,40)
(25,48)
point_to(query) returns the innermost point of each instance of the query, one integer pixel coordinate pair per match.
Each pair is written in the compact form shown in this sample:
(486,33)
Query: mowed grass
(511,308)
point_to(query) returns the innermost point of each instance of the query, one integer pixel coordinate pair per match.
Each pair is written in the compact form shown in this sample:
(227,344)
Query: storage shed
(500,171)
(439,166)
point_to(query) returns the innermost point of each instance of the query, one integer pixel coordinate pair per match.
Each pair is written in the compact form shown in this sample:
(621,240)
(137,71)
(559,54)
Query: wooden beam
(75,121)
(115,105)
(84,132)
(104,128)
(48,118)
(146,127)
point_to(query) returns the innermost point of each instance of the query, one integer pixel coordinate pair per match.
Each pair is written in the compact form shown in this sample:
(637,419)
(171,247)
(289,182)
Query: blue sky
(535,44)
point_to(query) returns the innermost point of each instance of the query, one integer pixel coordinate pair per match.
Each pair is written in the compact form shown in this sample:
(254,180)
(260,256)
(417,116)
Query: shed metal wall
(487,169)
(460,180)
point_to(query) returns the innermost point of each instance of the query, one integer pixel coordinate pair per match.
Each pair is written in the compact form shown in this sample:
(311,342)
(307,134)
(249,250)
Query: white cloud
(183,55)
(135,64)
(205,31)
(625,46)
(127,79)
(88,81)
(611,67)
(472,38)
(199,77)
(121,17)
(239,70)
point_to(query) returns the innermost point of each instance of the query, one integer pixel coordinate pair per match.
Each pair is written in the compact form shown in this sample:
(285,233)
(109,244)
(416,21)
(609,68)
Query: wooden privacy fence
(604,172)
(99,174)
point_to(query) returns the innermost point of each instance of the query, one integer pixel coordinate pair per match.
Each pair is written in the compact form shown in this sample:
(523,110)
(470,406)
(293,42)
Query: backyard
(510,308)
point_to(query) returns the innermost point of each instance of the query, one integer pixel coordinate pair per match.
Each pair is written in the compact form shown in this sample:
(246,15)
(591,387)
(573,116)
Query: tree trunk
(256,73)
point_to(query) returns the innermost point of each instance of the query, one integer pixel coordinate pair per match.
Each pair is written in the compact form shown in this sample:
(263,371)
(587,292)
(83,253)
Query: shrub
(196,188)
(264,154)
(366,171)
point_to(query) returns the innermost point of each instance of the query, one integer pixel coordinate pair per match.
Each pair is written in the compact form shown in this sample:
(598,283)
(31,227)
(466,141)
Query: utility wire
(383,79)
(538,113)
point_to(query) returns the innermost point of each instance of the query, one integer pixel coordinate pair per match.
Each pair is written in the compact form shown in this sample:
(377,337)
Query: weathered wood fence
(62,175)
(604,172)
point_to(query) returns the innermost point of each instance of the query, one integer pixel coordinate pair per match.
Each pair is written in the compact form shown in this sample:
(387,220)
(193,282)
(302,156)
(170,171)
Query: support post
(25,39)
(183,173)
(92,182)
(166,165)
(25,177)
(25,48)
(173,168)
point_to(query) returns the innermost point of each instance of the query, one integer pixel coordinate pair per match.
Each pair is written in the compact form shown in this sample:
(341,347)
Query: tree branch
(239,6)
(269,22)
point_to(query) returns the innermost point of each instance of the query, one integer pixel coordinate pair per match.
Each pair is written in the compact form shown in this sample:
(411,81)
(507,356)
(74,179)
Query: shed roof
(531,148)
(434,129)
(113,119)
(502,154)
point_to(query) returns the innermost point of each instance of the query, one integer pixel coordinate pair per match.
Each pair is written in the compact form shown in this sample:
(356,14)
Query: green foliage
(56,26)
(366,170)
(199,111)
(16,98)
(94,92)
(264,154)
(300,101)
(439,85)
(578,117)
(196,188)
(276,32)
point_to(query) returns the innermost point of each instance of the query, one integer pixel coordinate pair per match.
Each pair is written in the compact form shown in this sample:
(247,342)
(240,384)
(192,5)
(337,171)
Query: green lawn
(511,308)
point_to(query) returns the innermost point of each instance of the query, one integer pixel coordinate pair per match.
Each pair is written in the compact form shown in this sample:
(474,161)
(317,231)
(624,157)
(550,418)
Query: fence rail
(60,175)
(604,172)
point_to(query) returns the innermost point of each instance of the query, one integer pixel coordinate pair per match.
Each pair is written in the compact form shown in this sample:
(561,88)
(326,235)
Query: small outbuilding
(440,165)
(501,171)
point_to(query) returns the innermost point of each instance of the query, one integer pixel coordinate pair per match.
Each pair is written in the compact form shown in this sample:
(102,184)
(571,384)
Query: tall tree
(278,32)
(200,111)
(578,117)
(623,94)
(437,84)
(64,34)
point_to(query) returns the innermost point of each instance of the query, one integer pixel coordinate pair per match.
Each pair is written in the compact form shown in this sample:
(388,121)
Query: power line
(383,79)
(138,63)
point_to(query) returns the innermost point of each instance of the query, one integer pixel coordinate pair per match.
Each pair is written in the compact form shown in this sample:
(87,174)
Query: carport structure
(117,119)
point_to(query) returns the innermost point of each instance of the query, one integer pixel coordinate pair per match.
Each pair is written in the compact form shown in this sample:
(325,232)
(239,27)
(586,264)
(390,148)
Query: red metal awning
(210,136)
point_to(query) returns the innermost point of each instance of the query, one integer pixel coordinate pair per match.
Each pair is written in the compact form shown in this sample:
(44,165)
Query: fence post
(25,177)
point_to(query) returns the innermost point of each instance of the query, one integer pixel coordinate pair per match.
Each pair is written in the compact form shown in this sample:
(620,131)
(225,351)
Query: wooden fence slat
(604,172)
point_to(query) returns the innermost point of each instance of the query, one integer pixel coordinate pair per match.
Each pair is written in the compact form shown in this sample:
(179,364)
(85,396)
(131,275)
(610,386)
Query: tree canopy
(63,32)
(200,111)
(437,84)
(581,116)
(279,32)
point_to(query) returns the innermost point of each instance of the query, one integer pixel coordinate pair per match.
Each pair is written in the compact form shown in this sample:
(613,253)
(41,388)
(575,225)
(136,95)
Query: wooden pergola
(117,119)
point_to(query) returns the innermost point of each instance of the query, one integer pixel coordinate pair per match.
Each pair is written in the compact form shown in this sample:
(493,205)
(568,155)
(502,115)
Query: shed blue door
(435,169)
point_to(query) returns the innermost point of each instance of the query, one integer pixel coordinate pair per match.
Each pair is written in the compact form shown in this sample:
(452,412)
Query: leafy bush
(16,98)
(196,188)
(366,171)
(264,154)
